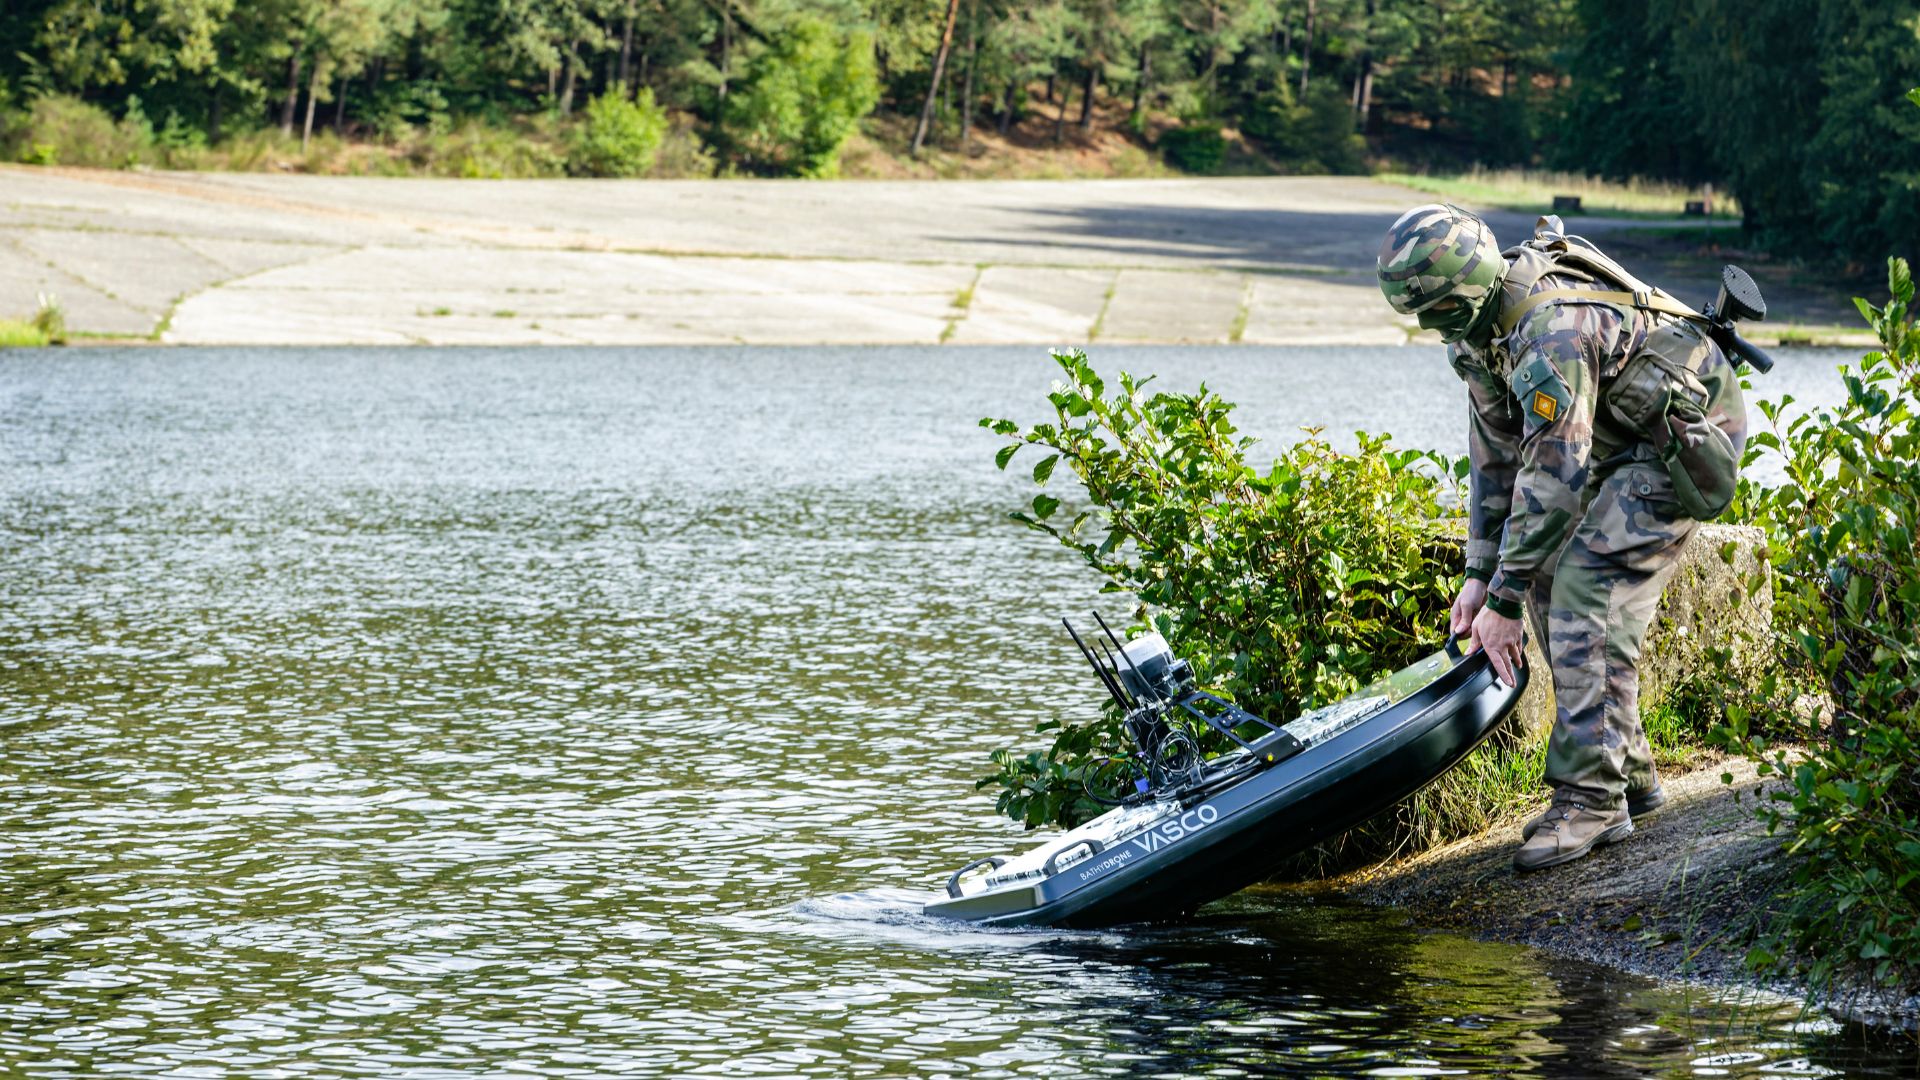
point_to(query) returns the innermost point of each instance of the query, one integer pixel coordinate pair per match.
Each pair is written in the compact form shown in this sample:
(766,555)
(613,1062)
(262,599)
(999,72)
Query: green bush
(617,136)
(477,150)
(1847,611)
(803,98)
(1194,148)
(57,129)
(1287,588)
(1315,136)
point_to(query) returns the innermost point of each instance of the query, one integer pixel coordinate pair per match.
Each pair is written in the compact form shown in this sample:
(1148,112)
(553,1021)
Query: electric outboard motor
(1149,670)
(1739,299)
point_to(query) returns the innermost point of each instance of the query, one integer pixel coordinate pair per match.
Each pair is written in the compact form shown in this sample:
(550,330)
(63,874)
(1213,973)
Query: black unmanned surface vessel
(1198,829)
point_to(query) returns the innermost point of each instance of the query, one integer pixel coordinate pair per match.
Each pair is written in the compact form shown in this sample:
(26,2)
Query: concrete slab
(148,273)
(1315,311)
(240,258)
(24,276)
(1163,305)
(1054,305)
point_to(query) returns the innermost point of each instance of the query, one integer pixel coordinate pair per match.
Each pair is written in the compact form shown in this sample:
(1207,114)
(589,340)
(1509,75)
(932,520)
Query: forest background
(1794,109)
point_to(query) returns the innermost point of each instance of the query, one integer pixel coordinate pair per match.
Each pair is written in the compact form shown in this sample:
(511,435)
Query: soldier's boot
(1645,803)
(1567,831)
(1639,804)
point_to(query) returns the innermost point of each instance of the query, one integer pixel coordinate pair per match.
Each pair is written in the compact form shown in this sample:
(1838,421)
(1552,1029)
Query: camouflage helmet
(1434,252)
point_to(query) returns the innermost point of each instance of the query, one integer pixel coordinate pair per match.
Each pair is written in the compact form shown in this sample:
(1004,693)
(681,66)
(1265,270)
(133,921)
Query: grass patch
(1532,191)
(1100,320)
(15,334)
(1239,328)
(504,314)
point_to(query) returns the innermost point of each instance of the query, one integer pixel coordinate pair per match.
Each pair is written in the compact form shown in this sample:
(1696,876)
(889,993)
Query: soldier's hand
(1473,597)
(1504,641)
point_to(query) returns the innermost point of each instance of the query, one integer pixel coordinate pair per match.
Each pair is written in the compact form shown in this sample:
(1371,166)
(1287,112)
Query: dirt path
(1680,900)
(267,259)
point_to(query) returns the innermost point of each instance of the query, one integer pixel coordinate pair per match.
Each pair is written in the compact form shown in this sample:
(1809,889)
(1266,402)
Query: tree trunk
(1213,43)
(626,49)
(1049,97)
(1060,118)
(213,116)
(340,107)
(726,49)
(1306,51)
(293,94)
(313,95)
(973,62)
(1006,108)
(1086,98)
(939,69)
(1140,84)
(567,80)
(1363,81)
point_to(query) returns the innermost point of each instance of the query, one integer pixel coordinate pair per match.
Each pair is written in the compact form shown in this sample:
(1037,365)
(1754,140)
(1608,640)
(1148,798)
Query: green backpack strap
(1647,300)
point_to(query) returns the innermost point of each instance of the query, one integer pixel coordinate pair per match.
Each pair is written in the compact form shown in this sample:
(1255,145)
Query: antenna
(1106,680)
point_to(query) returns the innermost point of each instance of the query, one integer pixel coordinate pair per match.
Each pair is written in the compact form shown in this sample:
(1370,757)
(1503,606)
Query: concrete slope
(270,259)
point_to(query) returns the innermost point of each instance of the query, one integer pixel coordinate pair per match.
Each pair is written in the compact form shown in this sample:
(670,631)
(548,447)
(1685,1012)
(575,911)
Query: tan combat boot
(1639,804)
(1569,830)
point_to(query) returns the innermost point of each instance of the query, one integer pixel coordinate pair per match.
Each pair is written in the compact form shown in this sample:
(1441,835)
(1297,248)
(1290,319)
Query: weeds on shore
(47,326)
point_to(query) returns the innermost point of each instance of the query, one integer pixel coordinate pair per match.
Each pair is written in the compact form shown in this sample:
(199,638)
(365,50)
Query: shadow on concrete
(1238,238)
(1344,245)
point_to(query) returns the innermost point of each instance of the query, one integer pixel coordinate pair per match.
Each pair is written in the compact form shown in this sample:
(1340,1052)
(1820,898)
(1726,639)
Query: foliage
(803,98)
(1195,148)
(1286,588)
(619,136)
(1847,606)
(61,130)
(50,320)
(1315,136)
(15,334)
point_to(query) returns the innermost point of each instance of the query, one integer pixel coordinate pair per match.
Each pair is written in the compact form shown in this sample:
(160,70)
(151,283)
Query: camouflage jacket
(1533,430)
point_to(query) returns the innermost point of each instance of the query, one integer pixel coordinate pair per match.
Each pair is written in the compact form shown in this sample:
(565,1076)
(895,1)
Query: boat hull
(1219,844)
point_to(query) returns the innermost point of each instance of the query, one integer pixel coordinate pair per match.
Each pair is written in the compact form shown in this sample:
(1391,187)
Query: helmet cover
(1433,252)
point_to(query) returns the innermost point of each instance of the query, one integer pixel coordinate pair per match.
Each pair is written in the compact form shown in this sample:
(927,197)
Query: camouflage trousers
(1596,598)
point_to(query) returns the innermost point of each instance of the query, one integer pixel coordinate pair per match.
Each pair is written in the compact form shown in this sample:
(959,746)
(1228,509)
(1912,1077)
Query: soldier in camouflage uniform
(1572,513)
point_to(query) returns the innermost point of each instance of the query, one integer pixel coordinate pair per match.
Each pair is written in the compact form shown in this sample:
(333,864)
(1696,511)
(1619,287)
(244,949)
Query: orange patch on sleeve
(1544,405)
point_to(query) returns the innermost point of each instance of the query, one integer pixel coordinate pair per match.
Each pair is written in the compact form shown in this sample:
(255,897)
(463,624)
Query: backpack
(1667,388)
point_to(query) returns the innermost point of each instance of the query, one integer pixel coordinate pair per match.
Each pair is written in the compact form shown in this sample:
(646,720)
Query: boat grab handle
(953,883)
(1094,847)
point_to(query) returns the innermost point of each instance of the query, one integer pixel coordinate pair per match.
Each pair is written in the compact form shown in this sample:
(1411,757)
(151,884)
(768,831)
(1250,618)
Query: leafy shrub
(51,320)
(482,151)
(682,154)
(61,130)
(1847,609)
(802,99)
(1194,148)
(617,136)
(1287,588)
(396,109)
(1315,136)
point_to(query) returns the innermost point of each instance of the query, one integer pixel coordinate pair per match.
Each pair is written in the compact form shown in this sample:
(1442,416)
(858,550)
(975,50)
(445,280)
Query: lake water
(588,712)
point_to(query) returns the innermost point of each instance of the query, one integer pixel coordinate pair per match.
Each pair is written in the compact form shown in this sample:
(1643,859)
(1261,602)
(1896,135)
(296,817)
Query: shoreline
(1676,902)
